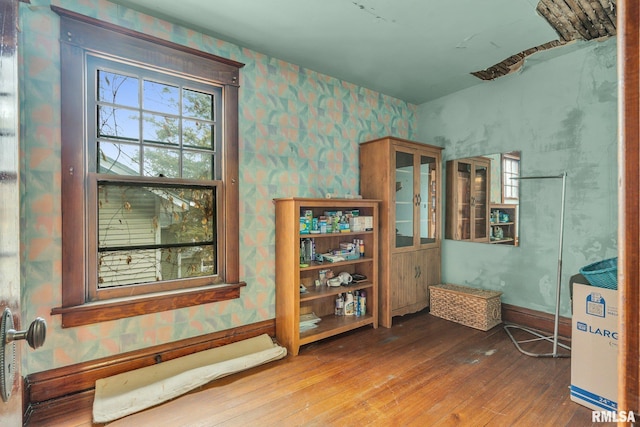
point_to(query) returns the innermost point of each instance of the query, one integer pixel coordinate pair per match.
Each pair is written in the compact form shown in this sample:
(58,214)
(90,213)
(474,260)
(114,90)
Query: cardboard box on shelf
(361,223)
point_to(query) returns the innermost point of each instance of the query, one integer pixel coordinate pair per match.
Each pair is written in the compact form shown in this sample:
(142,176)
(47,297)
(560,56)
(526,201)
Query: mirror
(482,199)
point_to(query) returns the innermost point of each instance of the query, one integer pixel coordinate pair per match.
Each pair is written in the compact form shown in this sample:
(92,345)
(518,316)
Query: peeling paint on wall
(562,115)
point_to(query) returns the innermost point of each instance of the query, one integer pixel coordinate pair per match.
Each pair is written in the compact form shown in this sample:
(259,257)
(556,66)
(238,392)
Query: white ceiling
(414,50)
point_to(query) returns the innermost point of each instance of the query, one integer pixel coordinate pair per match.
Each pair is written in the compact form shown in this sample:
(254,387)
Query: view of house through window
(150,124)
(153,233)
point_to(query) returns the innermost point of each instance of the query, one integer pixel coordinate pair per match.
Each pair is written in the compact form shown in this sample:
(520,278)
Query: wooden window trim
(80,33)
(102,311)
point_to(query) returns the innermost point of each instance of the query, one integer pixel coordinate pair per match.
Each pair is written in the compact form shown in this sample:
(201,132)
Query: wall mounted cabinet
(467,202)
(320,301)
(405,176)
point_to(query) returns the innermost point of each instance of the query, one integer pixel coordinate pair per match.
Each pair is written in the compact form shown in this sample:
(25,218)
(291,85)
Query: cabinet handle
(419,200)
(415,272)
(419,271)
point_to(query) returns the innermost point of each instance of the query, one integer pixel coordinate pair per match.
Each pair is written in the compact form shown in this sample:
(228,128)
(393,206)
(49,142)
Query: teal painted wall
(560,111)
(299,135)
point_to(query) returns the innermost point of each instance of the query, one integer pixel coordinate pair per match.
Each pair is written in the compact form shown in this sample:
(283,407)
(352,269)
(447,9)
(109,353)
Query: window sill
(121,308)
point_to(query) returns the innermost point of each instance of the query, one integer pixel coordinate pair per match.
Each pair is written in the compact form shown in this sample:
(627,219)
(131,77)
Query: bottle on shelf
(362,303)
(348,304)
(339,305)
(307,250)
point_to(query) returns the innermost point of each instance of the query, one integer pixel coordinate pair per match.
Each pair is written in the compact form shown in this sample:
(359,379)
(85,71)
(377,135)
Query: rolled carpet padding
(133,391)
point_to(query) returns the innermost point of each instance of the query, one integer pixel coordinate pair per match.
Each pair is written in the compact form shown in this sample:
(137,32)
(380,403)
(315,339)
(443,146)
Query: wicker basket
(476,308)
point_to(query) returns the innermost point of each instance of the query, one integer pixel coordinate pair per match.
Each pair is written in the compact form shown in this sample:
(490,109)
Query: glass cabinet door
(404,199)
(463,211)
(467,199)
(480,201)
(428,199)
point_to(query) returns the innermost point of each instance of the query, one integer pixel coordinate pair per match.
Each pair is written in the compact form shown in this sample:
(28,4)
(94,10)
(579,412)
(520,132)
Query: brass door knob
(35,335)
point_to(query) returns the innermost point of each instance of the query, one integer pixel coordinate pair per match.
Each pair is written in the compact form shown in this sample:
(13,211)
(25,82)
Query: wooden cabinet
(292,271)
(467,202)
(413,272)
(406,177)
(504,224)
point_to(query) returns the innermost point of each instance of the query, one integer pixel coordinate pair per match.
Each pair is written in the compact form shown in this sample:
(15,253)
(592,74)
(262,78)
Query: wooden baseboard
(47,392)
(538,320)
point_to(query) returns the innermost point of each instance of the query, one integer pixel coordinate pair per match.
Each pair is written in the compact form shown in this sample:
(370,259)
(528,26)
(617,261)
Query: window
(510,169)
(151,232)
(149,182)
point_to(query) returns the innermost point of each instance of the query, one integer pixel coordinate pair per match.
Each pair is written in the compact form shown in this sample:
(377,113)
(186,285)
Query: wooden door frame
(629,204)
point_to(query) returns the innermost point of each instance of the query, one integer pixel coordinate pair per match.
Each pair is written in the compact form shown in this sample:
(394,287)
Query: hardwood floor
(424,371)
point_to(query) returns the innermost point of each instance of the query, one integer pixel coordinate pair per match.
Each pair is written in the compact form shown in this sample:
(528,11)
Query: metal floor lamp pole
(554,338)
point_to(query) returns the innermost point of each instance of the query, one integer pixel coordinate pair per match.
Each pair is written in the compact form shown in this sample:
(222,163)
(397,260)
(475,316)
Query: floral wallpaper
(299,136)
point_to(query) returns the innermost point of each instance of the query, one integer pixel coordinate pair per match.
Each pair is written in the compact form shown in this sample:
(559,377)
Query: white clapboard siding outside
(125,226)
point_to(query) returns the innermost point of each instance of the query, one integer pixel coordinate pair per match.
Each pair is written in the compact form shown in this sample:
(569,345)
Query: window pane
(428,205)
(135,267)
(161,162)
(127,268)
(196,104)
(188,262)
(161,97)
(135,215)
(186,215)
(118,123)
(118,159)
(118,89)
(150,233)
(159,128)
(197,165)
(404,199)
(197,134)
